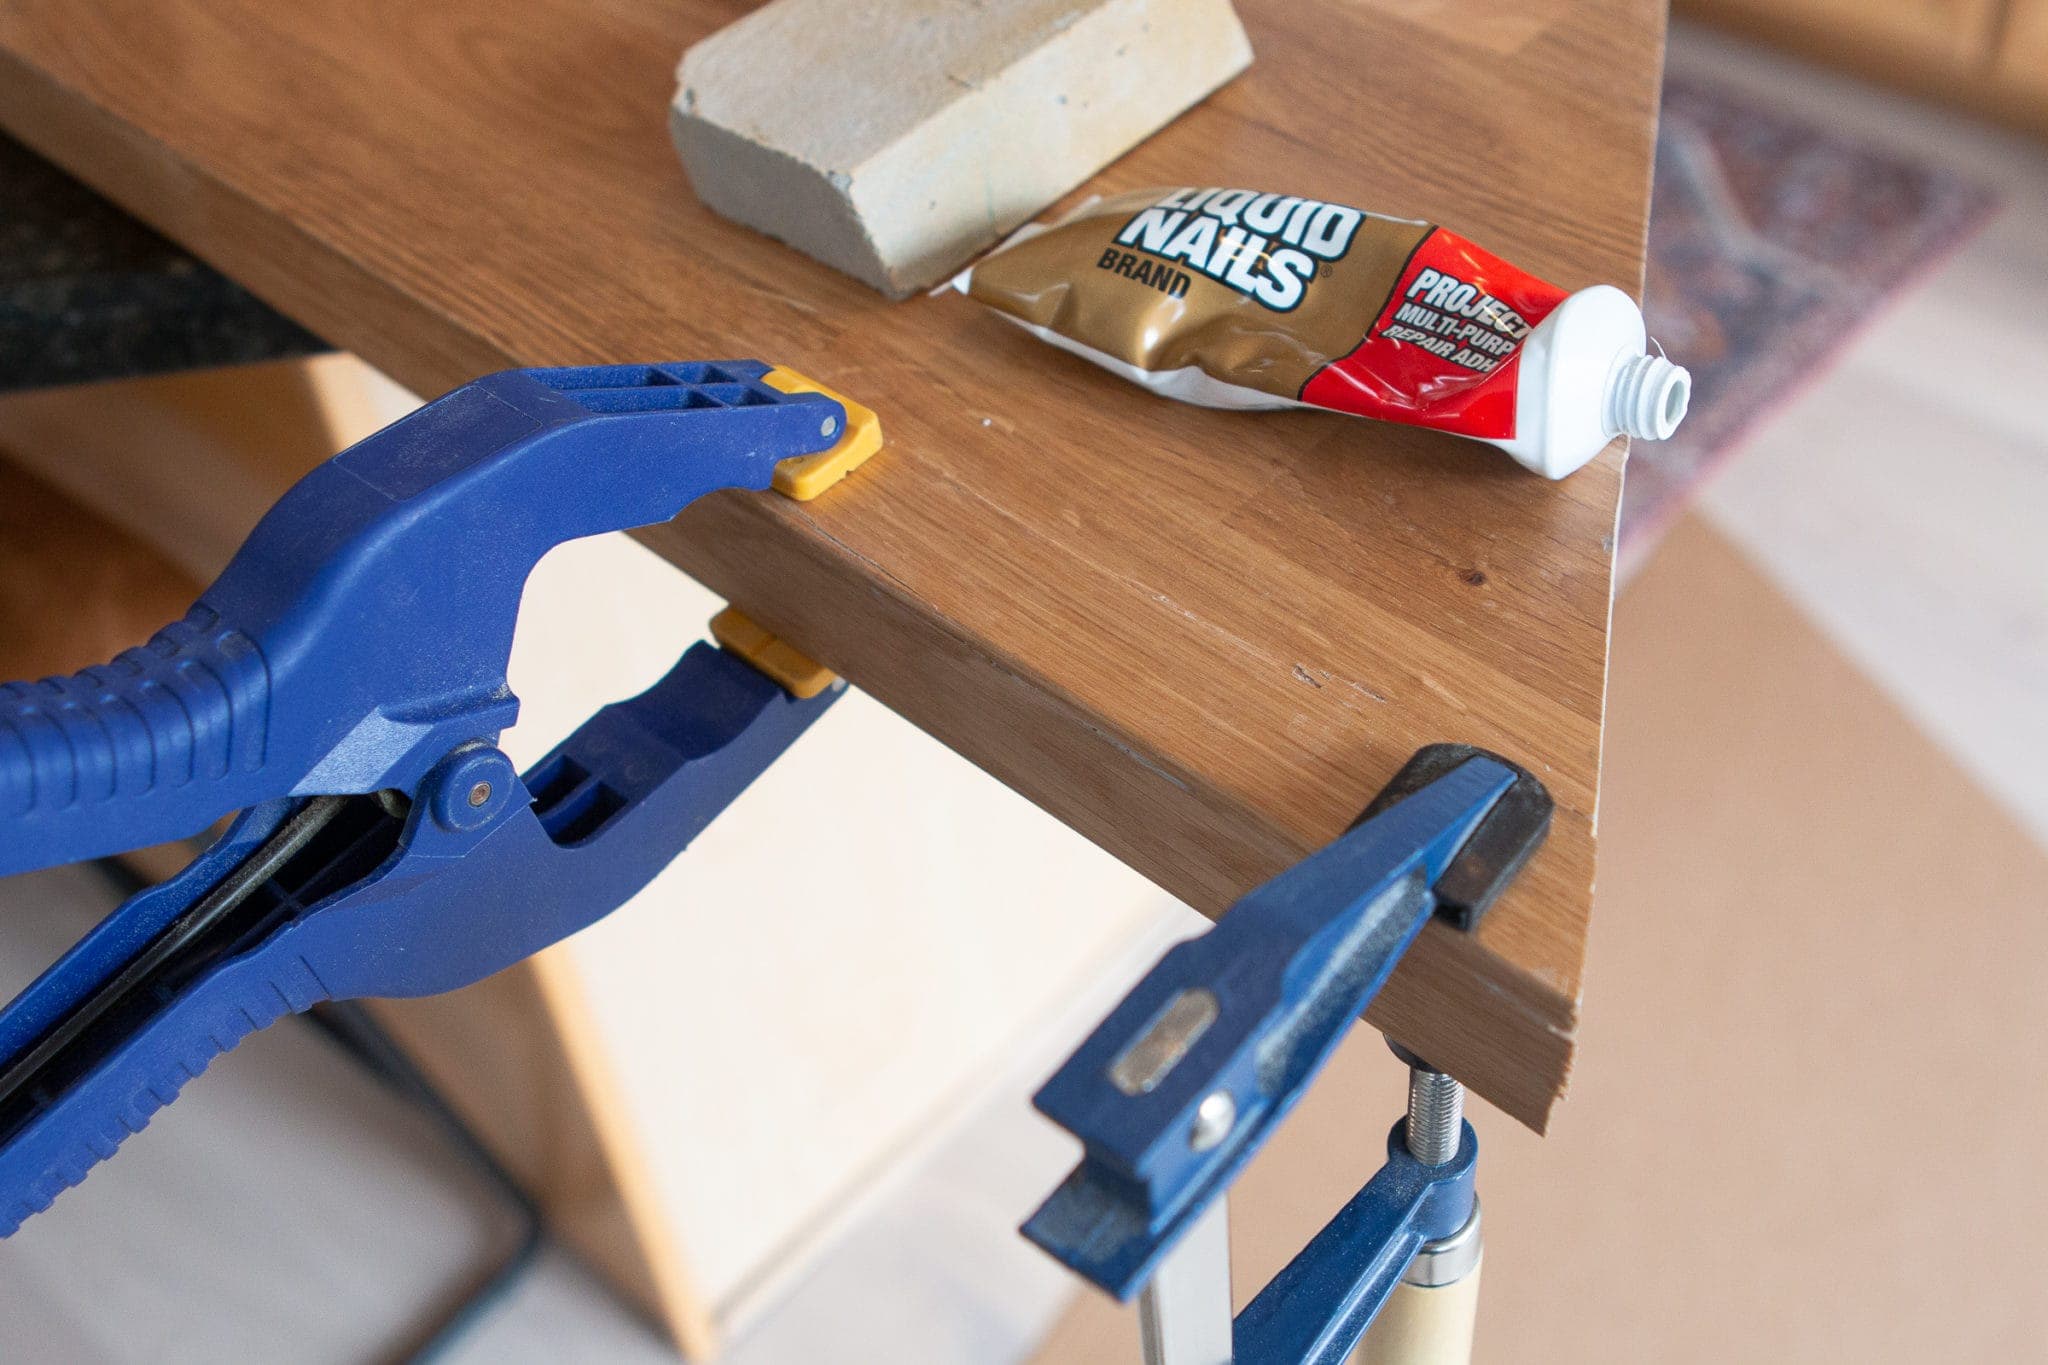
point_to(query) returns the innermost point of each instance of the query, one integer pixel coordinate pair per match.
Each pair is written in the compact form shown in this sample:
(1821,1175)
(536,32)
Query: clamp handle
(1316,1309)
(376,903)
(363,629)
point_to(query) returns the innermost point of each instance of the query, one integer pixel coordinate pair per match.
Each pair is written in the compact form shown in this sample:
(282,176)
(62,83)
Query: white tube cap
(1647,397)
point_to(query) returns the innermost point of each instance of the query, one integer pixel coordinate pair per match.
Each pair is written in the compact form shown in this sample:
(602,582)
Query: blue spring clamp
(1190,1075)
(342,686)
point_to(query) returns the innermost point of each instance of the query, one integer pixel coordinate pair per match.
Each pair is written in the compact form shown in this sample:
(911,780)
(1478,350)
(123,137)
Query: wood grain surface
(1203,639)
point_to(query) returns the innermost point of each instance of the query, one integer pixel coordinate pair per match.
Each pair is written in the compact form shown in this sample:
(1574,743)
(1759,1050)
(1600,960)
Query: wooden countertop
(1202,639)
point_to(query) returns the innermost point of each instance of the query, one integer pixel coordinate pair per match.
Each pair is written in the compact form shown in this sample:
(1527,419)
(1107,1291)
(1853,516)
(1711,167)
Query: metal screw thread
(1436,1116)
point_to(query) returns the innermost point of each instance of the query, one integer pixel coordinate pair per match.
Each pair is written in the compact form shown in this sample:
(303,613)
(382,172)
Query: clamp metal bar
(1184,1309)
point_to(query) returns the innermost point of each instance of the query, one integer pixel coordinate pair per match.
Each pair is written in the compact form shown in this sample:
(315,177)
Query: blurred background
(1808,1042)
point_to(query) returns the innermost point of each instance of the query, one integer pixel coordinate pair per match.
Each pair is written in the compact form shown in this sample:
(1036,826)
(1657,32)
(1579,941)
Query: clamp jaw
(342,685)
(1190,1075)
(362,630)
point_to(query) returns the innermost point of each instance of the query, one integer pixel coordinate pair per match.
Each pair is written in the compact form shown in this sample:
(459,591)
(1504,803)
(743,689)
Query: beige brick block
(894,139)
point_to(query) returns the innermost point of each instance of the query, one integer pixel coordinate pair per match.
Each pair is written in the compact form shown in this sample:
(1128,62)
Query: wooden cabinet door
(1922,38)
(2023,53)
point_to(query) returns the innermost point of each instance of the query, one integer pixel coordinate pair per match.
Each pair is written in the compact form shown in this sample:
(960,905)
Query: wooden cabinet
(1949,35)
(2023,56)
(1988,55)
(73,587)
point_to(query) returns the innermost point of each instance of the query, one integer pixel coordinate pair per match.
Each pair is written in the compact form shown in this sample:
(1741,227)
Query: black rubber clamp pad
(1511,831)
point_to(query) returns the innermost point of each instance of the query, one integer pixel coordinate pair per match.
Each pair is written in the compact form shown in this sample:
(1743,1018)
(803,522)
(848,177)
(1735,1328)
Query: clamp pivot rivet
(471,787)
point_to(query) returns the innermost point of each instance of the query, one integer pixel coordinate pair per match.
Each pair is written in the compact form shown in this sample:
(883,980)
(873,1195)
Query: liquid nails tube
(1242,299)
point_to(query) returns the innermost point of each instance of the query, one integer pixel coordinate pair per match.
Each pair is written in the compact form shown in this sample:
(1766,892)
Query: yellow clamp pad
(802,678)
(806,476)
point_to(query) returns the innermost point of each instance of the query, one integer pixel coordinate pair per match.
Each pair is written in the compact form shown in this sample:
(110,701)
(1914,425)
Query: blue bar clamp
(342,685)
(1190,1075)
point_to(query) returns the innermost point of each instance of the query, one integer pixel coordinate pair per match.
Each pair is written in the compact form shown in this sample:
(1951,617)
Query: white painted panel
(867,941)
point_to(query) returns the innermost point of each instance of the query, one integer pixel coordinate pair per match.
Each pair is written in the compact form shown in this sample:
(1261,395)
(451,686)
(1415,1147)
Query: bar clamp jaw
(1190,1075)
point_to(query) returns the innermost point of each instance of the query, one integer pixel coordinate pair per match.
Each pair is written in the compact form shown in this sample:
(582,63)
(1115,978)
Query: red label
(1445,350)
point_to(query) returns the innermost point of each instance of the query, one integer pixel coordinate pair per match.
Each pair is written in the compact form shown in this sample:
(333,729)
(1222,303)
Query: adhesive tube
(1235,298)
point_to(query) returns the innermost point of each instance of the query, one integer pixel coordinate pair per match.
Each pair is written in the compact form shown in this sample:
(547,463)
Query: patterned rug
(1772,240)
